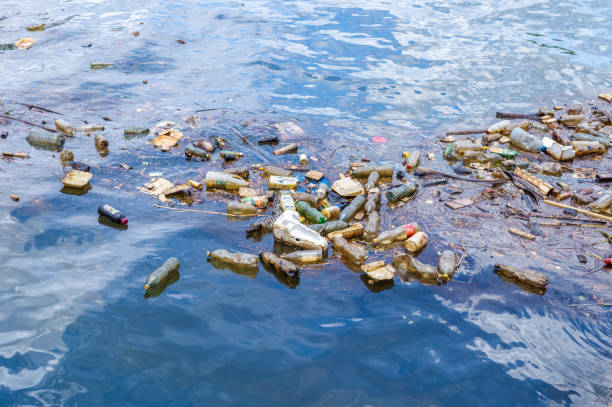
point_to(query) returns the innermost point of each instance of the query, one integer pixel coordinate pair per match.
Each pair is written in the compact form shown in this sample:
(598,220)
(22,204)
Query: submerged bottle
(309,212)
(416,242)
(112,214)
(162,274)
(282,266)
(223,180)
(526,141)
(384,171)
(304,256)
(192,151)
(64,127)
(397,234)
(426,271)
(351,210)
(401,192)
(237,259)
(240,208)
(447,263)
(371,227)
(351,252)
(46,140)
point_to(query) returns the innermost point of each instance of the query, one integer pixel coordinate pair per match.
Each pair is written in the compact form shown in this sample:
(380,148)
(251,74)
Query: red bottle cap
(124,221)
(409,228)
(608,261)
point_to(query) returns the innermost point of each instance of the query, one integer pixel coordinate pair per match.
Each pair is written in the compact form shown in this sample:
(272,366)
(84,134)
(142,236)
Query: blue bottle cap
(543,149)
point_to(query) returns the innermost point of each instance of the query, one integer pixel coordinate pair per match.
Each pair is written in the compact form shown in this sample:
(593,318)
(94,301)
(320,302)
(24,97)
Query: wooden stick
(579,210)
(465,132)
(504,115)
(39,108)
(521,233)
(544,187)
(582,225)
(255,148)
(27,122)
(462,257)
(201,211)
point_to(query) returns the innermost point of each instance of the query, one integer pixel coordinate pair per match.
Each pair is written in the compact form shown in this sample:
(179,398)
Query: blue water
(75,328)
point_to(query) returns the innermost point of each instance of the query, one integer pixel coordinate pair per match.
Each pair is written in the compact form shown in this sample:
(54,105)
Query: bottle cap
(543,149)
(124,221)
(608,261)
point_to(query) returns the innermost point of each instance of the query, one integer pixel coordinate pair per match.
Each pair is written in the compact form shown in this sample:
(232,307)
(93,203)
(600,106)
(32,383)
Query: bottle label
(110,210)
(220,184)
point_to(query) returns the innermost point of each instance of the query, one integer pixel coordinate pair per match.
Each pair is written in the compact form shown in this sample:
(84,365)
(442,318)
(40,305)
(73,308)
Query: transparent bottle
(416,242)
(240,208)
(384,171)
(237,259)
(282,266)
(412,162)
(351,210)
(311,199)
(371,227)
(162,274)
(462,146)
(351,252)
(447,263)
(192,151)
(100,142)
(304,256)
(328,227)
(64,127)
(372,181)
(242,172)
(222,180)
(46,140)
(271,170)
(397,234)
(401,192)
(526,141)
(276,182)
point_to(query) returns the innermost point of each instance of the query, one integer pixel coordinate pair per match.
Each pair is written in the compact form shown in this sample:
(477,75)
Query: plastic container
(351,252)
(89,128)
(279,265)
(504,152)
(276,182)
(397,234)
(286,201)
(256,201)
(351,210)
(329,227)
(589,137)
(416,242)
(526,141)
(311,199)
(352,231)
(161,275)
(236,259)
(222,180)
(499,127)
(288,149)
(447,263)
(112,214)
(303,159)
(242,172)
(401,192)
(373,200)
(371,227)
(309,212)
(192,151)
(425,271)
(271,170)
(240,208)
(449,153)
(64,127)
(588,147)
(461,146)
(372,181)
(331,212)
(364,172)
(557,151)
(288,229)
(322,191)
(204,145)
(602,203)
(525,276)
(135,131)
(304,256)
(55,141)
(474,157)
(413,160)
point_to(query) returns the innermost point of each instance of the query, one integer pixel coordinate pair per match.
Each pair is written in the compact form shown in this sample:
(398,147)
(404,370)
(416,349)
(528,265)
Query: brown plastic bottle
(371,227)
(282,266)
(351,252)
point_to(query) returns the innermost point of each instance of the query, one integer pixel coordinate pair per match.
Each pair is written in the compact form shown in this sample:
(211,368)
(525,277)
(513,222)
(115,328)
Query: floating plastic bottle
(272,170)
(309,212)
(89,128)
(135,131)
(352,231)
(230,155)
(426,271)
(401,192)
(499,127)
(413,160)
(286,201)
(256,201)
(571,119)
(561,138)
(289,148)
(242,172)
(539,127)
(588,147)
(461,146)
(527,277)
(322,191)
(557,151)
(351,210)
(416,242)
(525,141)
(304,256)
(447,265)
(236,259)
(351,252)
(100,142)
(589,137)
(371,227)
(504,152)
(373,200)
(192,151)
(328,227)
(450,154)
(66,156)
(474,157)
(240,208)
(162,274)
(222,180)
(548,168)
(311,199)
(276,182)
(282,266)
(331,212)
(263,225)
(303,159)
(397,234)
(112,214)
(54,141)
(602,203)
(384,171)
(372,181)
(64,127)
(288,229)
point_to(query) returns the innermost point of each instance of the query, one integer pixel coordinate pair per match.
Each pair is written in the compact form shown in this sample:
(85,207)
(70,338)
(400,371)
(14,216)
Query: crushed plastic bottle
(223,180)
(64,127)
(304,256)
(236,259)
(355,230)
(351,252)
(526,141)
(55,141)
(192,151)
(112,214)
(416,242)
(351,210)
(447,263)
(373,200)
(309,212)
(397,234)
(372,181)
(371,227)
(384,171)
(527,277)
(160,276)
(328,227)
(557,151)
(240,208)
(242,172)
(288,229)
(401,192)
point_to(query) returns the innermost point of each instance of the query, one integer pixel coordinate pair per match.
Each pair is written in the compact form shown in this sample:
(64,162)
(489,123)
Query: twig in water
(255,149)
(462,257)
(201,211)
(334,152)
(27,122)
(465,132)
(44,109)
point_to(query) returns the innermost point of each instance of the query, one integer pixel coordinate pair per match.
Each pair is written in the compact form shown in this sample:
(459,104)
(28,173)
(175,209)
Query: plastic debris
(77,179)
(24,43)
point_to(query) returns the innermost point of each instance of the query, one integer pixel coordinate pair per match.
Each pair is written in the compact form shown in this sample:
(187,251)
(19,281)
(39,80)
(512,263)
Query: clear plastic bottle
(331,212)
(322,191)
(256,201)
(276,182)
(426,271)
(328,227)
(46,140)
(286,201)
(304,256)
(272,170)
(236,259)
(222,180)
(401,192)
(526,141)
(240,208)
(311,199)
(447,263)
(64,127)
(413,160)
(397,234)
(416,242)
(192,151)
(204,145)
(589,137)
(462,146)
(371,227)
(280,265)
(372,181)
(373,200)
(162,274)
(351,210)
(351,252)
(100,142)
(499,127)
(242,172)
(384,171)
